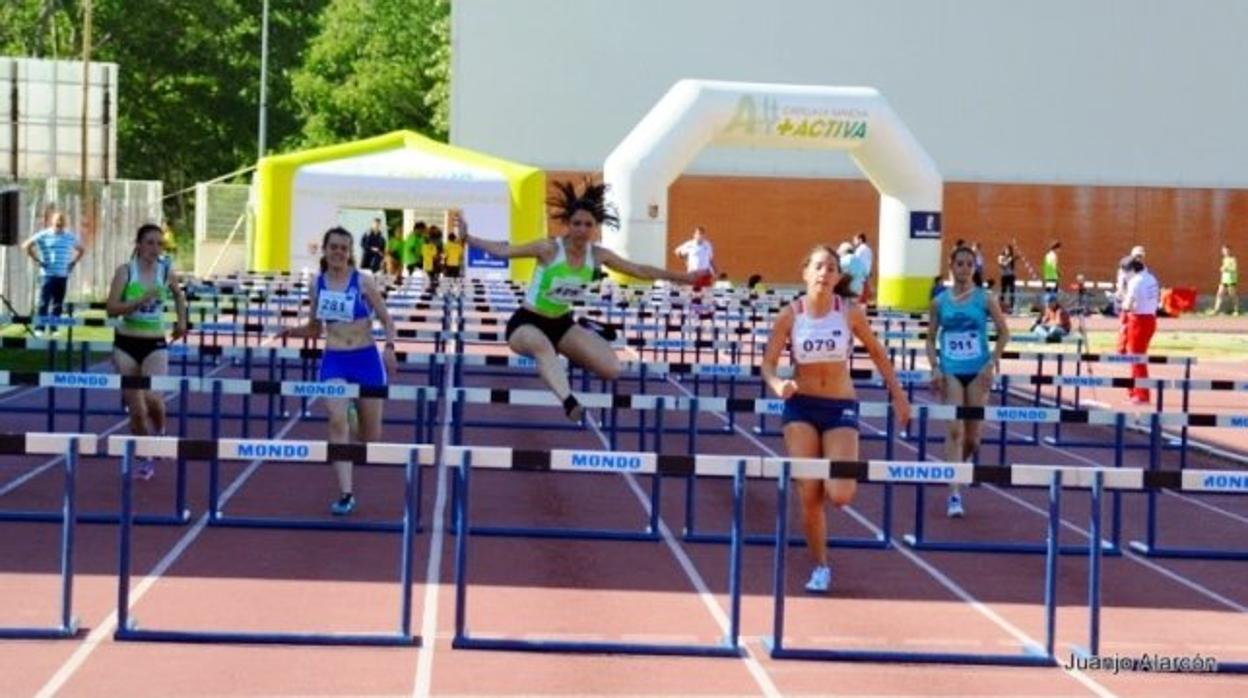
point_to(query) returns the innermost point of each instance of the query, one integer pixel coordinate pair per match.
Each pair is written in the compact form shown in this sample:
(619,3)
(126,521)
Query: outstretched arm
(543,249)
(641,271)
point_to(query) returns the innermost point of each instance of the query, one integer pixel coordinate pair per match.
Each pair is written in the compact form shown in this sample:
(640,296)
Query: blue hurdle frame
(68,625)
(881,541)
(129,630)
(1030,656)
(1150,546)
(730,646)
(181,514)
(650,532)
(217,516)
(918,539)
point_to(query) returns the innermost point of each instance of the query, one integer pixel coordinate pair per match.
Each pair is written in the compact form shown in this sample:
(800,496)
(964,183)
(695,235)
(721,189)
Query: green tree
(374,67)
(188,76)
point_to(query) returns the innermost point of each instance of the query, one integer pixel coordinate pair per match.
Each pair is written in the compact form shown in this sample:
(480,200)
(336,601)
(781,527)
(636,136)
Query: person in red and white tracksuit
(1140,305)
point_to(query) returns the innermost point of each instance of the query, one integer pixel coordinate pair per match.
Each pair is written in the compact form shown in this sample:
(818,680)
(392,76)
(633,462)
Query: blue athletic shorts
(822,413)
(359,366)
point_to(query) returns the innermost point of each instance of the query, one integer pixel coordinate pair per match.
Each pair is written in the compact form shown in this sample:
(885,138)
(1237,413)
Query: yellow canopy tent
(298,196)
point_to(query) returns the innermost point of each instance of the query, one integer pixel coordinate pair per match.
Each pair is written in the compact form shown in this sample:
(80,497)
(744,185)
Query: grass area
(36,360)
(1206,345)
(81,334)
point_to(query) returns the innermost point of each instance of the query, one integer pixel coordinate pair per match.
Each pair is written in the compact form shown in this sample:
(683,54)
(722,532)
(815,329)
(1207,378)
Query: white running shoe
(820,580)
(954,508)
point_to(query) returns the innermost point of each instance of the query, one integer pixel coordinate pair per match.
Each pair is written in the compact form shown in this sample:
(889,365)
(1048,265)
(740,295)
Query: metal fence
(120,207)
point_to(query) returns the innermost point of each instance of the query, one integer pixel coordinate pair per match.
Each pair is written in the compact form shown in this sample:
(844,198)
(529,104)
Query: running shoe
(820,580)
(343,506)
(953,509)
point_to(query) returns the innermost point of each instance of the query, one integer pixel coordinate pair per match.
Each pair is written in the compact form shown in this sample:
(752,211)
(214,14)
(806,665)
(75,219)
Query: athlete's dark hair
(842,285)
(337,230)
(566,201)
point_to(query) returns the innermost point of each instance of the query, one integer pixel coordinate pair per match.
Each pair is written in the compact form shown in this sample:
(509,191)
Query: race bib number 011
(962,346)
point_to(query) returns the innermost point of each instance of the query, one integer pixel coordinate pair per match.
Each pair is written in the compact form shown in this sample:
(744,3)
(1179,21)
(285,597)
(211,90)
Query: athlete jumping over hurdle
(344,300)
(543,327)
(962,368)
(821,407)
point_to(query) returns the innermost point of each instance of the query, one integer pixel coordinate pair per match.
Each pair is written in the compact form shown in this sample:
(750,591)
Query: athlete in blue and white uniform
(962,367)
(345,300)
(821,406)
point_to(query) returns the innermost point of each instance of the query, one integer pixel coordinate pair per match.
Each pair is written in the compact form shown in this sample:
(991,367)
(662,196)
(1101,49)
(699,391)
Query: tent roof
(404,154)
(403,163)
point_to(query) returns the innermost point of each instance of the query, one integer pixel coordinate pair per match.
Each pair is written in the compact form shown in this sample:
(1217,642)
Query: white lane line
(934,573)
(422,685)
(757,672)
(105,629)
(1206,505)
(1126,553)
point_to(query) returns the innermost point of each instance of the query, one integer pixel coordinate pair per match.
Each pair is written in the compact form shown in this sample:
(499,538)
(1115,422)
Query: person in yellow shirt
(1228,283)
(453,256)
(430,254)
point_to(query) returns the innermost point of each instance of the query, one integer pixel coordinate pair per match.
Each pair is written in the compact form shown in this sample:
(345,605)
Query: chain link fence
(107,231)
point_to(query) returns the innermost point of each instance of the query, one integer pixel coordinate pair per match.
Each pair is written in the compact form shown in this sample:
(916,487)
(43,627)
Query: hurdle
(420,396)
(180,513)
(465,459)
(69,447)
(918,539)
(410,456)
(1194,481)
(783,470)
(880,541)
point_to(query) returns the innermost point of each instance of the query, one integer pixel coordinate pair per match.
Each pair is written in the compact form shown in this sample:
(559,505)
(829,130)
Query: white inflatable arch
(695,114)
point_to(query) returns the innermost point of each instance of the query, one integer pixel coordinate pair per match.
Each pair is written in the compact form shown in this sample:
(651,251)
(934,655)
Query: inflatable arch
(298,196)
(695,114)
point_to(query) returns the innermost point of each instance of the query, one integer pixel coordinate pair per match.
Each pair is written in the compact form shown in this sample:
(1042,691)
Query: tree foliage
(189,73)
(372,69)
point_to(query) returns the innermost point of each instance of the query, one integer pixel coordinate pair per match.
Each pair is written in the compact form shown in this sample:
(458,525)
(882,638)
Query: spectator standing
(1005,264)
(56,250)
(697,252)
(1051,273)
(1142,299)
(373,247)
(866,258)
(1120,292)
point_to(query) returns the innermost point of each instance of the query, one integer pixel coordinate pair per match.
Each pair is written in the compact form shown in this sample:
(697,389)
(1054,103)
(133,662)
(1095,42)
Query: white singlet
(820,339)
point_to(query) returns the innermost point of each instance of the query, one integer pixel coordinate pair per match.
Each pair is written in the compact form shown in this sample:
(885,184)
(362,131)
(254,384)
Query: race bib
(819,347)
(566,290)
(962,346)
(335,306)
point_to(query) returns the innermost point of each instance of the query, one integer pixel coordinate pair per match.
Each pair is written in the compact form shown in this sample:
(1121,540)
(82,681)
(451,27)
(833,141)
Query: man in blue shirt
(56,250)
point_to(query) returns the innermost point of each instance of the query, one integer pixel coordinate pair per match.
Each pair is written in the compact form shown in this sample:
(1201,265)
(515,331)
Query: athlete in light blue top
(957,349)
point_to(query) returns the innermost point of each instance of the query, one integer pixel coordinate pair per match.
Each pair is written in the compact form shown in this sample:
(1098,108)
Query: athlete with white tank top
(821,406)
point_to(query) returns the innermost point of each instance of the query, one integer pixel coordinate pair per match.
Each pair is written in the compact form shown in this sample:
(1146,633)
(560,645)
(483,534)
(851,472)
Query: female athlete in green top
(138,294)
(543,327)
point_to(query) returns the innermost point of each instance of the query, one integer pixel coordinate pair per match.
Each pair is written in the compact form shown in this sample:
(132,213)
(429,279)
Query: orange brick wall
(765,225)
